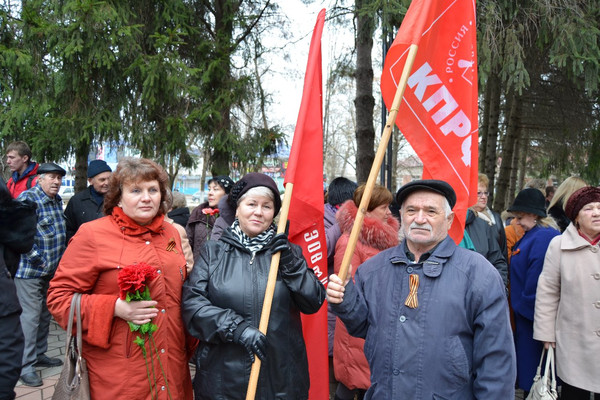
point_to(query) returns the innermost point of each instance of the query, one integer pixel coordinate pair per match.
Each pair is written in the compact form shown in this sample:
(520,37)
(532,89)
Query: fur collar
(374,233)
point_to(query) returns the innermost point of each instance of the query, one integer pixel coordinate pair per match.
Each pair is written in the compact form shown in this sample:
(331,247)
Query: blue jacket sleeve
(494,360)
(353,310)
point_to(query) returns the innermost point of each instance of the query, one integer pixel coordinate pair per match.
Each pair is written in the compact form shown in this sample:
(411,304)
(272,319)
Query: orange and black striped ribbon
(171,246)
(411,300)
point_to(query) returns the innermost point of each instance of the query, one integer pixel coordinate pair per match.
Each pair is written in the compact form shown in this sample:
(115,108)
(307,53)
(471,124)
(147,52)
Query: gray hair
(257,191)
(179,200)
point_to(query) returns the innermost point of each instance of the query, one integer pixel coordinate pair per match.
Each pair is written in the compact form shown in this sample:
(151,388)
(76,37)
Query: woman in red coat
(133,232)
(379,232)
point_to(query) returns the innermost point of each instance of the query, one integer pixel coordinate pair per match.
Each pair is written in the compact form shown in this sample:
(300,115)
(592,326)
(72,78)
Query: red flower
(134,278)
(210,211)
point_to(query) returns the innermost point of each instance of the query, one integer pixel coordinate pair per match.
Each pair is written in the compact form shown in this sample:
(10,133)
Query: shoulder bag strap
(74,301)
(79,331)
(552,369)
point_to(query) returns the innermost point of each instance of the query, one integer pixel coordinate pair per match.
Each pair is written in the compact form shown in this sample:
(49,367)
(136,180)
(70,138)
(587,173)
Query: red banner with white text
(438,113)
(305,172)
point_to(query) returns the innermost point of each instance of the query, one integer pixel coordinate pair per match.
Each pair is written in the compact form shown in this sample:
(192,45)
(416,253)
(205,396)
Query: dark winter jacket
(180,215)
(484,240)
(18,225)
(226,288)
(526,264)
(81,208)
(18,222)
(199,228)
(558,214)
(456,344)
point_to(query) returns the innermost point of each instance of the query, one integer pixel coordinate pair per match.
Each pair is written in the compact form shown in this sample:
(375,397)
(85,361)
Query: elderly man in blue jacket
(434,316)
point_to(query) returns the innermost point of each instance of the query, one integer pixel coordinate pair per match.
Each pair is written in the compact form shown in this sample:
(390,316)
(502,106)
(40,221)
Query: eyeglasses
(483,194)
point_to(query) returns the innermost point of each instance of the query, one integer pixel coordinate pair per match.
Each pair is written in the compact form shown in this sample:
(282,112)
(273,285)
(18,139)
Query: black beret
(431,185)
(46,168)
(254,179)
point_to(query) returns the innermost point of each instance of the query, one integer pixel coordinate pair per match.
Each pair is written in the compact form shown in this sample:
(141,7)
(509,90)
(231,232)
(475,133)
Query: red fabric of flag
(438,113)
(305,172)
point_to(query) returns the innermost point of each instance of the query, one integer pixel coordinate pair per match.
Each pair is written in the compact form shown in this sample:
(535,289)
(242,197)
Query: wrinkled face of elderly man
(50,183)
(100,182)
(426,219)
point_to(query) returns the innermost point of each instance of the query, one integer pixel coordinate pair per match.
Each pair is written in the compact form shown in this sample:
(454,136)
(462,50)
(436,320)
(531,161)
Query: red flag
(438,113)
(305,172)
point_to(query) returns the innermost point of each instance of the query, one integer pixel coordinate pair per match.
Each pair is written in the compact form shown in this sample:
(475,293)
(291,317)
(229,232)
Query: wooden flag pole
(385,138)
(270,290)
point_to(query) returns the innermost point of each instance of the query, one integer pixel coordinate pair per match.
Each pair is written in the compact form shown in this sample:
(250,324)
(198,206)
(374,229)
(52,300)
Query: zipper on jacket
(252,259)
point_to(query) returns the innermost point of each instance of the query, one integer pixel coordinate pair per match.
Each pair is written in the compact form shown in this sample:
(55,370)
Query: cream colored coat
(567,308)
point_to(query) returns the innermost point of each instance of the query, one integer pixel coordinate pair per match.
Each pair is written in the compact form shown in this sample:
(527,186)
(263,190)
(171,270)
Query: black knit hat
(97,167)
(530,201)
(224,181)
(581,197)
(431,185)
(254,179)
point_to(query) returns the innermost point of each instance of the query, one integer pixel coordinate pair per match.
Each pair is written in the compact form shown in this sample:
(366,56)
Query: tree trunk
(485,105)
(364,101)
(506,167)
(224,15)
(81,156)
(523,150)
(493,118)
(514,174)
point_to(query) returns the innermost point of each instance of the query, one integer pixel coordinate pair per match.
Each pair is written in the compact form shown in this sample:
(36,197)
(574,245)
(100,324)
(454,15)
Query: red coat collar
(132,227)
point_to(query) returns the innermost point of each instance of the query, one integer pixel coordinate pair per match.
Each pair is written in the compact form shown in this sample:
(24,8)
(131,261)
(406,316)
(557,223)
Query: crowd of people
(416,316)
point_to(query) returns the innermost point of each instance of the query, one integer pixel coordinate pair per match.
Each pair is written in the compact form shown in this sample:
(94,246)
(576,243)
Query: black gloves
(281,243)
(252,339)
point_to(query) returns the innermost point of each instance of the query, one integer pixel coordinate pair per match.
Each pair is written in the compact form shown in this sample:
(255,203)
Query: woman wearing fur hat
(202,219)
(379,232)
(525,267)
(567,306)
(223,297)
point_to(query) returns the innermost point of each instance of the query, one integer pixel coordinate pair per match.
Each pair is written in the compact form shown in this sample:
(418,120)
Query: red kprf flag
(305,172)
(438,113)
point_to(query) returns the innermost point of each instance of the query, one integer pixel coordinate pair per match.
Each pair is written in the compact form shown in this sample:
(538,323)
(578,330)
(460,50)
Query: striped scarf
(253,244)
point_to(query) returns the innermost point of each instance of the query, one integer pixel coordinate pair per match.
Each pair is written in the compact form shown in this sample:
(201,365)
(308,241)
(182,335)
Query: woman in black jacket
(222,302)
(200,224)
(17,231)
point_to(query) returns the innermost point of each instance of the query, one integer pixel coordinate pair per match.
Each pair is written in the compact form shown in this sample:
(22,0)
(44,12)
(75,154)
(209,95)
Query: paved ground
(56,348)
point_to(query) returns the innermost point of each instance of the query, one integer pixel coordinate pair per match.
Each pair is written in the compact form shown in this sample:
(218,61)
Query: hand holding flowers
(137,307)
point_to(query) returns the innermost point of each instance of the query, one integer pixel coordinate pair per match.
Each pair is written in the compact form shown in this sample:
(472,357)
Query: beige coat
(567,308)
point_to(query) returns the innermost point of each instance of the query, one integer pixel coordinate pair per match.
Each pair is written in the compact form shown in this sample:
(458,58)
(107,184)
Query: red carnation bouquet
(213,212)
(133,283)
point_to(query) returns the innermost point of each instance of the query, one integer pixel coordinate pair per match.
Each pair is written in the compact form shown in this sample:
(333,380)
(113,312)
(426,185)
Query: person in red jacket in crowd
(23,170)
(379,232)
(134,231)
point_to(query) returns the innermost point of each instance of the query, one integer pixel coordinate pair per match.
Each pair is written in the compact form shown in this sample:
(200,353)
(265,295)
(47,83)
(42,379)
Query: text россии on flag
(438,113)
(305,172)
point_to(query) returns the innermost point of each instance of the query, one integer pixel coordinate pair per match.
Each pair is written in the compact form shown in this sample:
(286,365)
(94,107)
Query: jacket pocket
(46,227)
(456,364)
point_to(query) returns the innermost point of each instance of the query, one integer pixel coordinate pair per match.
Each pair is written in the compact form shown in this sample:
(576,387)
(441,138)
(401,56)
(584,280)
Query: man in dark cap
(88,204)
(37,267)
(434,316)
